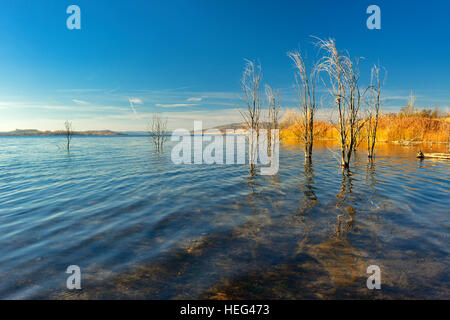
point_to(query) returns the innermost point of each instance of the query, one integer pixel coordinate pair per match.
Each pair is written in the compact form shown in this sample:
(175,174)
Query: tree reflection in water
(308,184)
(344,226)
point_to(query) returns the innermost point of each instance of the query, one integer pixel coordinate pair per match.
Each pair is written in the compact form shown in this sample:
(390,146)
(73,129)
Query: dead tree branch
(306,90)
(157,130)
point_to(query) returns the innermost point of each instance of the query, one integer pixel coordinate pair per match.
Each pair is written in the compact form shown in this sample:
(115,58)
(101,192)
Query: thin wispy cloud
(59,107)
(176,119)
(82,107)
(175,105)
(132,102)
(194,99)
(81,102)
(135,100)
(80,90)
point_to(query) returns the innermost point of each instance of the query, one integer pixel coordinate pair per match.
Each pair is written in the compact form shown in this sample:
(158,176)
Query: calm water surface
(141,227)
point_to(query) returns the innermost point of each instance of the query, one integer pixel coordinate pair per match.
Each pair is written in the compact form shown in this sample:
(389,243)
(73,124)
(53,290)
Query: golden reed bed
(392,128)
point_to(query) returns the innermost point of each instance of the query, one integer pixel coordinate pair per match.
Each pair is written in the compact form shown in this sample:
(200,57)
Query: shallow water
(142,227)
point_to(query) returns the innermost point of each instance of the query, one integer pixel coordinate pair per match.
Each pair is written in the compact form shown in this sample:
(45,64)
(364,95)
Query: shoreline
(38,133)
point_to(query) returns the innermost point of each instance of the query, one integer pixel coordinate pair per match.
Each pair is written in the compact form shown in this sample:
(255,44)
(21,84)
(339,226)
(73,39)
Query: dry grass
(394,128)
(391,127)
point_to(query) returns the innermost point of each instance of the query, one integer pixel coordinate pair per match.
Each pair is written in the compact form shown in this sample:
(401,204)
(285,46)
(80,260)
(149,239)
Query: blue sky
(184,59)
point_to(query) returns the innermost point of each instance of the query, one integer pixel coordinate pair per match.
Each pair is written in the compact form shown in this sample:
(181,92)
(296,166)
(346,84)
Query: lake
(141,227)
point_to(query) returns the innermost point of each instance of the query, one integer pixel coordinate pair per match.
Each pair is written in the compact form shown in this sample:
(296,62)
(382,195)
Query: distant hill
(34,132)
(231,126)
(241,125)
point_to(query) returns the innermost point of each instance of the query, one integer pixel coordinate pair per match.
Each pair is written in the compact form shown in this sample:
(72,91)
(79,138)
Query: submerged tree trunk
(68,134)
(346,157)
(374,110)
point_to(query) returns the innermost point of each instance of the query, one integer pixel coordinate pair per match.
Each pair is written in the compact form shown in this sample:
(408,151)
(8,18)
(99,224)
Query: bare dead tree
(354,103)
(68,133)
(306,90)
(273,105)
(157,130)
(409,110)
(374,104)
(343,85)
(251,96)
